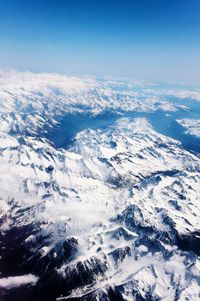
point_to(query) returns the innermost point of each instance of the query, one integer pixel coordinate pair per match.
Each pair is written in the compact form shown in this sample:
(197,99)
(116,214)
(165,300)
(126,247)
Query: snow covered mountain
(100,190)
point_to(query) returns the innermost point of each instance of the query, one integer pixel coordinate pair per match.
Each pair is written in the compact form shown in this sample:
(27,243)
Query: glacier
(99,189)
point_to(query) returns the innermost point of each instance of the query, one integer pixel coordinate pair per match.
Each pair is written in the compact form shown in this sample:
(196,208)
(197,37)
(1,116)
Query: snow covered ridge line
(102,225)
(114,216)
(27,92)
(16,281)
(33,82)
(192,126)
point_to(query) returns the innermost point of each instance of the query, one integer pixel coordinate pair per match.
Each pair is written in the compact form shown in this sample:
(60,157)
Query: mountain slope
(115,216)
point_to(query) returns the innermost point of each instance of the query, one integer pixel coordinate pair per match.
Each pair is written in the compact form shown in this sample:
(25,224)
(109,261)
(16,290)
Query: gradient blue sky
(145,39)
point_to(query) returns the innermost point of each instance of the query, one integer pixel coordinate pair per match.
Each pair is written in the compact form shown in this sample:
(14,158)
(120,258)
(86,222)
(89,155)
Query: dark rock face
(190,242)
(19,257)
(49,169)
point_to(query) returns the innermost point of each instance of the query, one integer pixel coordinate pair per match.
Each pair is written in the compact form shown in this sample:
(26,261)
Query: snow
(124,192)
(192,126)
(82,198)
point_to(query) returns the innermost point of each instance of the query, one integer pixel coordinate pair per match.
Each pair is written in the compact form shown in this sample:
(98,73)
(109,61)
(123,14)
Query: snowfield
(192,126)
(113,215)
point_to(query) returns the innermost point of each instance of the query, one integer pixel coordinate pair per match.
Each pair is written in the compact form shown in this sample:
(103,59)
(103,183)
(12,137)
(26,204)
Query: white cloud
(16,281)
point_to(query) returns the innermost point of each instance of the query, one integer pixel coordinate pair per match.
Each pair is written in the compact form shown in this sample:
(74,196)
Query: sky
(155,40)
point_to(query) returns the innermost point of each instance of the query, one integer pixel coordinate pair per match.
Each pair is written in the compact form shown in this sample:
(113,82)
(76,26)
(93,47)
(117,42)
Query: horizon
(133,80)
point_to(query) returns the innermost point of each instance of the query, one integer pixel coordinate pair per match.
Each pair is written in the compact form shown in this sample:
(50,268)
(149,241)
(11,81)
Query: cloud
(16,281)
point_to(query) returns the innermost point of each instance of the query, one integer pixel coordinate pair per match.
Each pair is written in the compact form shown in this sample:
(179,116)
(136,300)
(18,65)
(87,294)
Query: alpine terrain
(99,189)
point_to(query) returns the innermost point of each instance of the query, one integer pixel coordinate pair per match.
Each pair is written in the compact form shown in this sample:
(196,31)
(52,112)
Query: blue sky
(145,39)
